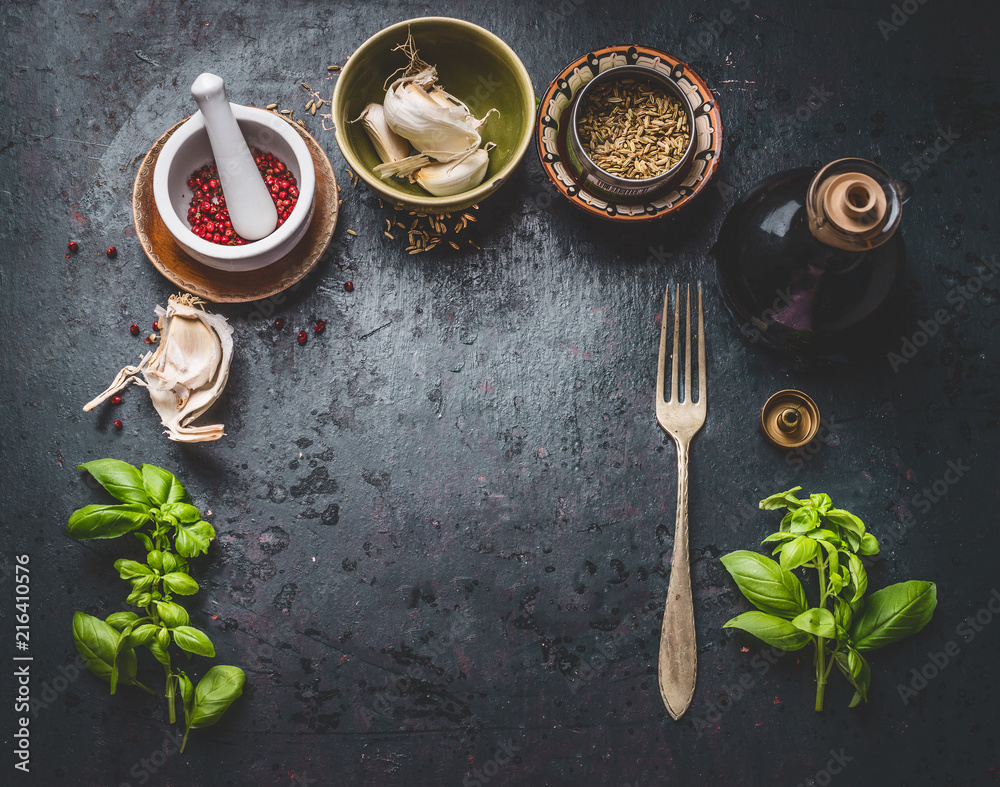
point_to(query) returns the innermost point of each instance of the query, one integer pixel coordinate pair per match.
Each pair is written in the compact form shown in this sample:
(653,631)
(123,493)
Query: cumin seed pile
(633,129)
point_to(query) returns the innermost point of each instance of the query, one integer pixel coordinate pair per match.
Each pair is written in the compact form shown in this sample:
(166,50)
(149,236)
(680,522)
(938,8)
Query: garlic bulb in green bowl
(479,71)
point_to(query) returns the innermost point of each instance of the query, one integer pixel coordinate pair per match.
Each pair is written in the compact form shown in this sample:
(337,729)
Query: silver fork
(681,419)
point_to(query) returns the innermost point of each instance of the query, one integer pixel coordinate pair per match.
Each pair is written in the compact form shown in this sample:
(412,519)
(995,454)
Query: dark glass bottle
(810,260)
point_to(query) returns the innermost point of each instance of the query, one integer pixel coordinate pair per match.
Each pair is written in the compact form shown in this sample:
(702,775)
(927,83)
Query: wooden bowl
(220,286)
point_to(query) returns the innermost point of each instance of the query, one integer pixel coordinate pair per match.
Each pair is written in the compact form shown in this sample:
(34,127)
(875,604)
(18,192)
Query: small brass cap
(789,419)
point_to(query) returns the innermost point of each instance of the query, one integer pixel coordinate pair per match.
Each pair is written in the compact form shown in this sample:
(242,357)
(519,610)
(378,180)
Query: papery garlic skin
(188,371)
(444,180)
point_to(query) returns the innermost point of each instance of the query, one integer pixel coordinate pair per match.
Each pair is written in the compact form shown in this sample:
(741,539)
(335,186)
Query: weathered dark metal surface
(445,522)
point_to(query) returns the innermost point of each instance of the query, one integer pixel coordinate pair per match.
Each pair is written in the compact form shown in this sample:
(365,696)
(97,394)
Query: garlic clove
(188,371)
(389,146)
(415,115)
(447,179)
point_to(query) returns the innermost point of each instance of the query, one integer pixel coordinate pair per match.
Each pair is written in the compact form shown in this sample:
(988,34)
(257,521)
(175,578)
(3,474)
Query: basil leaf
(859,578)
(181,583)
(97,642)
(106,521)
(142,634)
(845,520)
(817,621)
(192,540)
(821,502)
(766,585)
(843,613)
(155,561)
(142,583)
(770,629)
(869,545)
(832,560)
(804,519)
(127,665)
(171,614)
(144,540)
(183,512)
(779,536)
(124,662)
(121,480)
(221,686)
(780,500)
(162,486)
(139,598)
(159,652)
(893,613)
(120,620)
(836,582)
(163,638)
(173,563)
(193,641)
(187,695)
(130,569)
(795,553)
(856,669)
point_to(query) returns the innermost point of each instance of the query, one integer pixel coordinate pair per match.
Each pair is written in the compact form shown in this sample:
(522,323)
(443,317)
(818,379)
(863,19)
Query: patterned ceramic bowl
(551,133)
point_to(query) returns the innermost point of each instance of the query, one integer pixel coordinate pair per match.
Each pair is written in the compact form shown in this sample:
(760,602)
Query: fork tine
(674,361)
(702,366)
(661,361)
(687,349)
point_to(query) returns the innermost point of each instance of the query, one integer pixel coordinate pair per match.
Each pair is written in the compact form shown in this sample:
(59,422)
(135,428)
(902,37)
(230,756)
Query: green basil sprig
(846,623)
(155,508)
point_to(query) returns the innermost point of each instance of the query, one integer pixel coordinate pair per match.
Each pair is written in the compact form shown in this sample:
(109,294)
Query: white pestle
(250,206)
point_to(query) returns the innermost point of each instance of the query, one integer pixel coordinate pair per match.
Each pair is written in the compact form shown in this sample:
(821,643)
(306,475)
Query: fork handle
(678,665)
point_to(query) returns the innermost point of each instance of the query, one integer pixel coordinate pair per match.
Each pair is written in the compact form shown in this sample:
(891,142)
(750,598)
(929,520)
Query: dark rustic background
(445,524)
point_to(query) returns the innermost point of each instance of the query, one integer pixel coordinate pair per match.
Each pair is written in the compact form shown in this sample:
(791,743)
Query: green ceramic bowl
(474,66)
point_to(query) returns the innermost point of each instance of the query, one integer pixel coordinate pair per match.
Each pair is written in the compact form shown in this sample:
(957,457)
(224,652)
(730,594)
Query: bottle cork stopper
(854,202)
(789,419)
